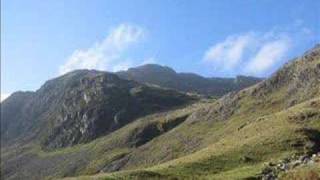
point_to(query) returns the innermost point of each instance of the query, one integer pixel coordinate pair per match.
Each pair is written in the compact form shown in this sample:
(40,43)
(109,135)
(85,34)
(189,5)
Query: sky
(41,40)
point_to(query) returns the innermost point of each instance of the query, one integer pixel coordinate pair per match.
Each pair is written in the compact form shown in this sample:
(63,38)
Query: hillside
(236,136)
(164,76)
(79,107)
(233,137)
(274,119)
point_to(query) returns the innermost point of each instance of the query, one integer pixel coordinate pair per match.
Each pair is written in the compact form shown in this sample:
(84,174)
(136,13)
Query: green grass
(206,148)
(230,138)
(261,139)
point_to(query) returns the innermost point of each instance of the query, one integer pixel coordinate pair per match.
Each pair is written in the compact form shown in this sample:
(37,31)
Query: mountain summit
(164,76)
(81,106)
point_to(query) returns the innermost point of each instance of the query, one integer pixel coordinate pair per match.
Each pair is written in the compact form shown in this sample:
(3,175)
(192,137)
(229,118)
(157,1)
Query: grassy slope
(264,123)
(230,138)
(87,158)
(262,140)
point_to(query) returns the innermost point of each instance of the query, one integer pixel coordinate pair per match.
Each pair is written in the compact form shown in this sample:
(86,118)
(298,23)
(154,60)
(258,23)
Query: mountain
(237,135)
(164,76)
(264,131)
(81,106)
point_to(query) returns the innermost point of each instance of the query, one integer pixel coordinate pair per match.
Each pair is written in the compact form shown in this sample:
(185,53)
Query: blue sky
(43,39)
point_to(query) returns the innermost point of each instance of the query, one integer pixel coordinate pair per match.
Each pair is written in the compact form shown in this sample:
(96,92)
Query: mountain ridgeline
(81,106)
(85,104)
(164,76)
(135,125)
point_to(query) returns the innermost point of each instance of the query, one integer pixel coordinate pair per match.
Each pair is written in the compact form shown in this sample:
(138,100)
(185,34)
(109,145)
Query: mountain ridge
(73,108)
(274,119)
(165,76)
(232,137)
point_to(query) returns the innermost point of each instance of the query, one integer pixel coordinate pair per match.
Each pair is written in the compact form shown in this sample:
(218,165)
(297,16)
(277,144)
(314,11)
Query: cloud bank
(229,53)
(107,54)
(250,53)
(257,53)
(268,55)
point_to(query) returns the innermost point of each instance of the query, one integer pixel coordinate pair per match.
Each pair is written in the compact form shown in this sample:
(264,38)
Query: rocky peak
(83,105)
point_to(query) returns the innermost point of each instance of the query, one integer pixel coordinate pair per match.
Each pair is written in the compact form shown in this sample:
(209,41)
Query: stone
(302,158)
(296,163)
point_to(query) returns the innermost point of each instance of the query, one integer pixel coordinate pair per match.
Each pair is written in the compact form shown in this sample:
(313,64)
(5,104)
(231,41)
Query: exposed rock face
(187,82)
(81,106)
(272,170)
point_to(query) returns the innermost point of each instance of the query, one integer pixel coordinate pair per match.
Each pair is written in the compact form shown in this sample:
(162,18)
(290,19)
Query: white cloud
(267,56)
(4,96)
(250,53)
(258,53)
(229,53)
(105,55)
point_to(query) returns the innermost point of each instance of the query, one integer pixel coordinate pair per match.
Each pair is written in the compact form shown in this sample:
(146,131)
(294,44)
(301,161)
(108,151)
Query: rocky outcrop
(273,170)
(83,105)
